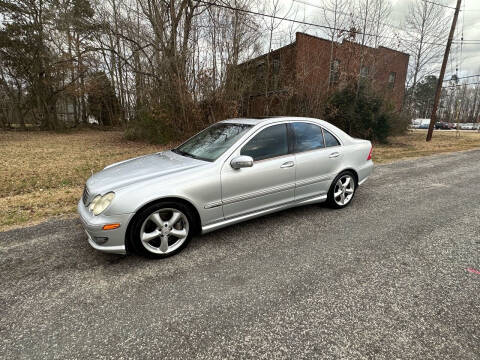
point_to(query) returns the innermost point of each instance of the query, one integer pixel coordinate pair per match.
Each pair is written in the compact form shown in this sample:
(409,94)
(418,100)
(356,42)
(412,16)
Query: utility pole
(433,118)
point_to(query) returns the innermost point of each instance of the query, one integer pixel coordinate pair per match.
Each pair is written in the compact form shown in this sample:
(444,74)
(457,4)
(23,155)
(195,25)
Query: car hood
(139,169)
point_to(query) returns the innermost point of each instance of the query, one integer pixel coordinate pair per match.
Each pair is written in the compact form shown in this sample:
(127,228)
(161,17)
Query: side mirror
(241,162)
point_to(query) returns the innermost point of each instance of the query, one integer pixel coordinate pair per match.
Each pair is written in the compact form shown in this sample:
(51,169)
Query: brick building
(303,68)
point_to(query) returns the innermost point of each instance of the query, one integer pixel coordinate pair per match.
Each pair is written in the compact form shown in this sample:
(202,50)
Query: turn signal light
(370,154)
(111,226)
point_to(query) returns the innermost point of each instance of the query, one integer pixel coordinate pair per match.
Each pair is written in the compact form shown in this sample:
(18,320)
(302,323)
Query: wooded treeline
(164,68)
(458,103)
(65,62)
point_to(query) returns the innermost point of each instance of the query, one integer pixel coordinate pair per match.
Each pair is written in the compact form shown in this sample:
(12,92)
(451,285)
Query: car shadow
(62,244)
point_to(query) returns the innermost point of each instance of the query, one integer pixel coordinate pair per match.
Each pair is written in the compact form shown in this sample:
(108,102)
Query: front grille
(85,196)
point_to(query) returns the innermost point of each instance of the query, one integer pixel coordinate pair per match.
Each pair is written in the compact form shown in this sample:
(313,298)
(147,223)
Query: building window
(260,71)
(276,66)
(334,71)
(276,73)
(364,71)
(391,79)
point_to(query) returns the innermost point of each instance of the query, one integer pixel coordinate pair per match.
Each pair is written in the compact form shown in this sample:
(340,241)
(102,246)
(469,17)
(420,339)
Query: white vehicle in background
(424,123)
(415,124)
(466,126)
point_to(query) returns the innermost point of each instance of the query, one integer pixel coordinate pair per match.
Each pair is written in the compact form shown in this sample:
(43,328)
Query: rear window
(330,140)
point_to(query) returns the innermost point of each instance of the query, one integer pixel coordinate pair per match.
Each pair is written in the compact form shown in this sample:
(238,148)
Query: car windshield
(212,142)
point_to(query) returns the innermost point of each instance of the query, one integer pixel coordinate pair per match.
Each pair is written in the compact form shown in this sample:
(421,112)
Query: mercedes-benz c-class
(232,171)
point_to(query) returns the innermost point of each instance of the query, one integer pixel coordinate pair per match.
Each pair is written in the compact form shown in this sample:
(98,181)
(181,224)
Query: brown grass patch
(42,174)
(413,144)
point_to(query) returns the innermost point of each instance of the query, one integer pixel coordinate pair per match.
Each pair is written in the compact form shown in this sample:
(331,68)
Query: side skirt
(211,227)
(361,182)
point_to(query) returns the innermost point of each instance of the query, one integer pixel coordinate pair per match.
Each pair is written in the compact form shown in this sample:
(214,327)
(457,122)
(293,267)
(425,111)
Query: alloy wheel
(344,189)
(164,231)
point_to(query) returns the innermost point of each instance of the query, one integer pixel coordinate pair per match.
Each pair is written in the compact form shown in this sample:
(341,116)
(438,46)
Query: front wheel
(162,229)
(342,190)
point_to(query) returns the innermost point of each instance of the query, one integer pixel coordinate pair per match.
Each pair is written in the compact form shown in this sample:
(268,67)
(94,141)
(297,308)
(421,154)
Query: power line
(462,39)
(446,6)
(276,17)
(463,77)
(224,6)
(371,21)
(346,14)
(434,3)
(459,85)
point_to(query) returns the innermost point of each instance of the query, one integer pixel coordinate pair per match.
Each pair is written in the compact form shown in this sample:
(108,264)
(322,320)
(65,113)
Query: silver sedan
(234,170)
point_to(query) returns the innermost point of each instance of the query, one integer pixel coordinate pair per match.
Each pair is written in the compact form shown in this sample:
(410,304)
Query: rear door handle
(287,164)
(334,155)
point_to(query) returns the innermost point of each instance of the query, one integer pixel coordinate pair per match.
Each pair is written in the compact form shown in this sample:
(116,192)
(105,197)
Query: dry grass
(42,174)
(413,144)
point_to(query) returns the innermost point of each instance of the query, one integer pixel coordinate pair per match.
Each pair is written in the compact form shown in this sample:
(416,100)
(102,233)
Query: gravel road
(384,278)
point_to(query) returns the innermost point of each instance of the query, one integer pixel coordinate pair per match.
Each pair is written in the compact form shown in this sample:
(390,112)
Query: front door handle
(287,164)
(334,155)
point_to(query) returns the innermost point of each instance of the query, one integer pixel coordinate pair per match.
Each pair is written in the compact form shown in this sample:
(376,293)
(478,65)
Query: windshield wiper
(179,152)
(183,153)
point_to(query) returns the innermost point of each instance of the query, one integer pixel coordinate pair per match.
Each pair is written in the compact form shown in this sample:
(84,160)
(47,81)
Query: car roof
(269,119)
(256,122)
(273,119)
(248,121)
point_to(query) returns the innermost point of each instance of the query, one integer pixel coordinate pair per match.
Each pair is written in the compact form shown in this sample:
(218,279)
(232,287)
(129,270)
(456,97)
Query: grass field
(413,144)
(42,174)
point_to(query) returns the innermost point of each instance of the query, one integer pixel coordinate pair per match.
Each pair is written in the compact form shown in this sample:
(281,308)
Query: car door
(269,182)
(318,155)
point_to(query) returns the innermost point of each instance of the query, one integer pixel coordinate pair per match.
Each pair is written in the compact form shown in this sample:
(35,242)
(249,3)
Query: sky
(469,22)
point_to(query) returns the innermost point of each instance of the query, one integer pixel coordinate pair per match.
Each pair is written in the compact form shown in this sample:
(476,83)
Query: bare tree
(425,32)
(272,25)
(336,17)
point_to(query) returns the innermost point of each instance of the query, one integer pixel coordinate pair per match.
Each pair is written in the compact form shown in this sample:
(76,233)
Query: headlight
(100,203)
(94,201)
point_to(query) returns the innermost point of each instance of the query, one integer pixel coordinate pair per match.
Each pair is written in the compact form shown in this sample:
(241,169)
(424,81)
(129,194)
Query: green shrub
(362,113)
(150,126)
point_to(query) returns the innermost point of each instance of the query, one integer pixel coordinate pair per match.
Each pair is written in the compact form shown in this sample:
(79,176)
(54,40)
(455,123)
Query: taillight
(370,154)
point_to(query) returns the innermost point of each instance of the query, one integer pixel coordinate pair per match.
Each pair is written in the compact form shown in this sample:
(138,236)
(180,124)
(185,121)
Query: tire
(348,191)
(162,229)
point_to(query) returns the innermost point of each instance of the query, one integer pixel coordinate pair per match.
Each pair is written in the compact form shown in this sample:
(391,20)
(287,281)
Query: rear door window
(307,137)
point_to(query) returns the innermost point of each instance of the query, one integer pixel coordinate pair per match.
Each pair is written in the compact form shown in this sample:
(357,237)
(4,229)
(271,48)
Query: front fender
(196,187)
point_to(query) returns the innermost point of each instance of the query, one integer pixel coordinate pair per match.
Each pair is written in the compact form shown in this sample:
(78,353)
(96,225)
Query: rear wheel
(162,229)
(342,190)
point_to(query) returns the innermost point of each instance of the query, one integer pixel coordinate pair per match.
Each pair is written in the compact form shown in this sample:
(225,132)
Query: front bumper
(109,241)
